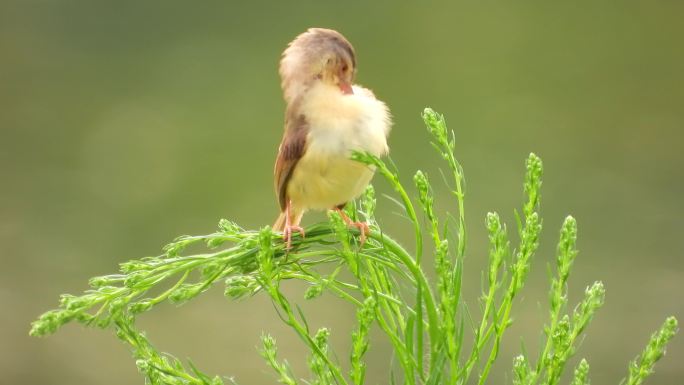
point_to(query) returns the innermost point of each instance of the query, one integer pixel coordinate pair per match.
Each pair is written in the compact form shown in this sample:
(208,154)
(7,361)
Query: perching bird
(327,117)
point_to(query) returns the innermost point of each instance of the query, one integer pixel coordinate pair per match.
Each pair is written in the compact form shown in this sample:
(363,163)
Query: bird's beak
(346,88)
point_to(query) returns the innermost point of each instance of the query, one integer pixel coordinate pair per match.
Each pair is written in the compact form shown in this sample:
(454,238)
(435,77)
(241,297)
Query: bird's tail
(296,218)
(279,224)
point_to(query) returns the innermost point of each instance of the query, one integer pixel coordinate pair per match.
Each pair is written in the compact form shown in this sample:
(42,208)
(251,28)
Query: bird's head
(317,55)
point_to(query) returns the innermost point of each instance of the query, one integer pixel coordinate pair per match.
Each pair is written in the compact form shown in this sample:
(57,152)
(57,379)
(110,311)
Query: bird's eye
(345,68)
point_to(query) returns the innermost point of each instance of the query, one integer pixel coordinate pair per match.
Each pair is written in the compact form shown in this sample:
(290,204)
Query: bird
(327,117)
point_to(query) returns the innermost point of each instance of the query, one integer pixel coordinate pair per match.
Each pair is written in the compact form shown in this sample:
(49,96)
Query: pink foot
(291,227)
(363,229)
(287,234)
(362,226)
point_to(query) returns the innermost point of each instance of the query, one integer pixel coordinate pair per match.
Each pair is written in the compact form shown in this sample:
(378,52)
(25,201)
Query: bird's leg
(290,227)
(362,226)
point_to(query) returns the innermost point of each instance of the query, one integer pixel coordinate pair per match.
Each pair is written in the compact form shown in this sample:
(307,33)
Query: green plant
(426,324)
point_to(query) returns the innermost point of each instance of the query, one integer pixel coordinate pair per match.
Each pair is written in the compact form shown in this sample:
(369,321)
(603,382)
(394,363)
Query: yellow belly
(325,177)
(324,182)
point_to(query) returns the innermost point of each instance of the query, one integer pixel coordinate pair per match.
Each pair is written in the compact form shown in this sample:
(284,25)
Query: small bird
(326,118)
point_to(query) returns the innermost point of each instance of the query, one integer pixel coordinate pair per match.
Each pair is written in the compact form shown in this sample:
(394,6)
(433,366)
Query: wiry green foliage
(642,366)
(581,376)
(426,328)
(270,353)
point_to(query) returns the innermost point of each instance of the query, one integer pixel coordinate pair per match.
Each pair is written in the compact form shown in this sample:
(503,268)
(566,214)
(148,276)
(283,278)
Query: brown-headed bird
(327,117)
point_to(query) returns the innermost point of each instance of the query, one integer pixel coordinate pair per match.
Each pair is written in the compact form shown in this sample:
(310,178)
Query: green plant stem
(304,334)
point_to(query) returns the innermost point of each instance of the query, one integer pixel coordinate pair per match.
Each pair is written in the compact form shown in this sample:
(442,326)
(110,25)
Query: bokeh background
(125,123)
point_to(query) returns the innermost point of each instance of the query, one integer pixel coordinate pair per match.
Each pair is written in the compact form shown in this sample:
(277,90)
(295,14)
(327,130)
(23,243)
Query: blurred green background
(126,123)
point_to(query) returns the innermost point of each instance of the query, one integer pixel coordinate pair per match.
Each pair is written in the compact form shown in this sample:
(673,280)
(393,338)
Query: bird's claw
(363,227)
(287,234)
(364,230)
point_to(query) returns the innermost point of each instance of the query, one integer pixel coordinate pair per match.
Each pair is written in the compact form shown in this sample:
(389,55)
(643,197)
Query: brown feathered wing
(291,149)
